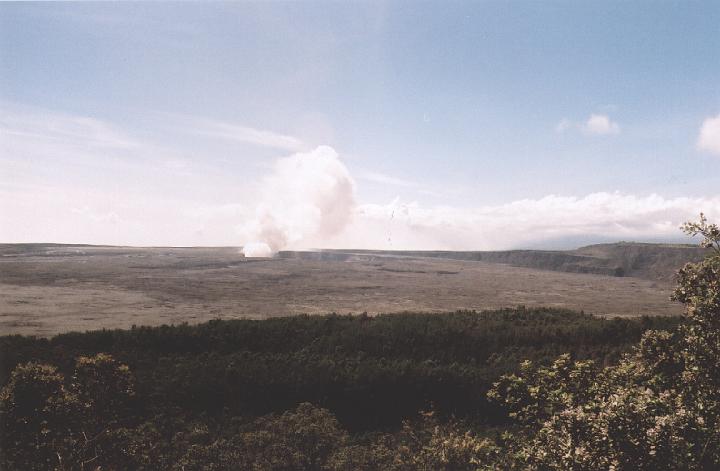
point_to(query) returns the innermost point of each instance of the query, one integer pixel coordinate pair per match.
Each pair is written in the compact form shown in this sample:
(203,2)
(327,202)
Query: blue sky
(456,123)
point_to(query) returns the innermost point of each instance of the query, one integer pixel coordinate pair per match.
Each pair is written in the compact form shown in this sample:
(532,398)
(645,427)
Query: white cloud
(600,124)
(597,216)
(247,135)
(709,139)
(596,124)
(35,128)
(385,179)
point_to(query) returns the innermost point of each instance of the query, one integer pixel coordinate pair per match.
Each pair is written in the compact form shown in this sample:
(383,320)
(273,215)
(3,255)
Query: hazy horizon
(462,126)
(562,245)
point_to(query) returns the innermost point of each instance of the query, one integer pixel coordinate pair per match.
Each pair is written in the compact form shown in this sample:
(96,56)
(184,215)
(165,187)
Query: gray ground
(46,289)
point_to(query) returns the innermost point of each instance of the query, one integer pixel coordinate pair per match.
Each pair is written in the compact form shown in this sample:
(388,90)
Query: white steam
(257,249)
(307,195)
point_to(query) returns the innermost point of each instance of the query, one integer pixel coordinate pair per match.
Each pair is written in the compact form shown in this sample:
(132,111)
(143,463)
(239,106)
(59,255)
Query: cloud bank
(548,221)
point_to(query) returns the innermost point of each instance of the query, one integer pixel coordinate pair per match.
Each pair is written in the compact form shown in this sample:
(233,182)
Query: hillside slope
(648,261)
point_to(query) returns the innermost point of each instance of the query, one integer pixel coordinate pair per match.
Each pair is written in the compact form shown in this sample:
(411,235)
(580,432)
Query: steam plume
(306,195)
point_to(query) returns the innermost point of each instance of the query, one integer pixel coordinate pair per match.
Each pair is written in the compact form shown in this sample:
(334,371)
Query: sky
(389,125)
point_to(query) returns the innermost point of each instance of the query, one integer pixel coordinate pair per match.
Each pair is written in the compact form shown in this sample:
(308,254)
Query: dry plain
(49,289)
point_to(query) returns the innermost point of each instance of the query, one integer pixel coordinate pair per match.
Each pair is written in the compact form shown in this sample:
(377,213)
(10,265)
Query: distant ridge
(641,260)
(650,261)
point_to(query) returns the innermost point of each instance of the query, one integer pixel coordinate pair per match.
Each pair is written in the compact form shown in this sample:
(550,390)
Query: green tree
(659,408)
(35,409)
(297,440)
(48,425)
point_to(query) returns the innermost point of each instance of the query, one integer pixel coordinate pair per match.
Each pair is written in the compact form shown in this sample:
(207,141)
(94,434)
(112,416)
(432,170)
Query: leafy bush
(48,424)
(659,408)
